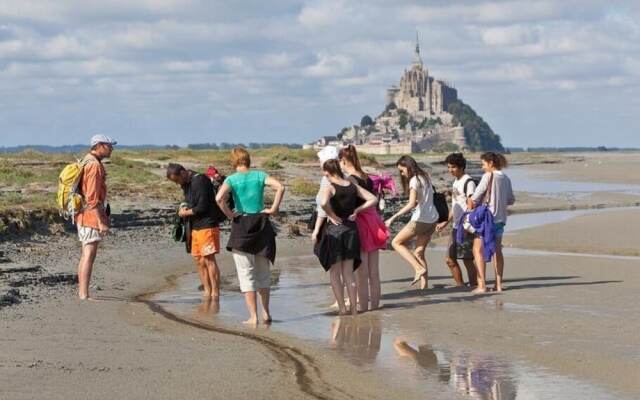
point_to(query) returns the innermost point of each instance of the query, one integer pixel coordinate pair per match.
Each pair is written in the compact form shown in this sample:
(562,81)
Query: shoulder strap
(466,185)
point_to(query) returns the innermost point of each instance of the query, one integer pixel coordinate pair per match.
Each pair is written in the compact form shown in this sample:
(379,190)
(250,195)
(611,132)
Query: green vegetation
(479,135)
(29,179)
(446,148)
(368,160)
(272,163)
(366,121)
(303,187)
(404,118)
(430,122)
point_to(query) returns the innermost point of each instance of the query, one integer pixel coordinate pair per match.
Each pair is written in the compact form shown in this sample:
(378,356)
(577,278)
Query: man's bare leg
(250,300)
(456,273)
(265,294)
(471,272)
(85,268)
(362,282)
(481,266)
(213,273)
(204,275)
(375,291)
(498,264)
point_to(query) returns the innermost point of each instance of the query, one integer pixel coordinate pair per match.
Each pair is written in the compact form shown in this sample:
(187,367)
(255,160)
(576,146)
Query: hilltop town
(422,113)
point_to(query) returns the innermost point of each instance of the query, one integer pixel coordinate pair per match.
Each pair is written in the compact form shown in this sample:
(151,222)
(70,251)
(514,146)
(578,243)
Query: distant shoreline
(76,148)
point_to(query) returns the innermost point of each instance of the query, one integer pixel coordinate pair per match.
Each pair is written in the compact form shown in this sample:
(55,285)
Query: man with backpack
(92,219)
(463,188)
(205,217)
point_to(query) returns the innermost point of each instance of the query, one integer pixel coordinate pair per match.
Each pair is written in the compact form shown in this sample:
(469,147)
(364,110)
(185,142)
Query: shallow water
(374,341)
(531,220)
(524,179)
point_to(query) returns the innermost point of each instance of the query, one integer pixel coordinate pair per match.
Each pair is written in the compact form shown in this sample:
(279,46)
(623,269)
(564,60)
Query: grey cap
(97,139)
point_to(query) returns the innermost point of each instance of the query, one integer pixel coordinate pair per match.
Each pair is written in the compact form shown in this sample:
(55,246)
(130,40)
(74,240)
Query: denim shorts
(499,228)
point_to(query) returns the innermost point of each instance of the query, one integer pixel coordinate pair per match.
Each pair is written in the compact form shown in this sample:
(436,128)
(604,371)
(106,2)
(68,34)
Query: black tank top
(343,203)
(366,184)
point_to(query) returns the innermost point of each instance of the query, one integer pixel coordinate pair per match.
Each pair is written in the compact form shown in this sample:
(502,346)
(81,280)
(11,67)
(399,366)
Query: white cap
(97,139)
(328,153)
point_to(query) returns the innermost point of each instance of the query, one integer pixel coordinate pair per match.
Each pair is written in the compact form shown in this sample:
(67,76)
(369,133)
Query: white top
(425,210)
(501,195)
(459,197)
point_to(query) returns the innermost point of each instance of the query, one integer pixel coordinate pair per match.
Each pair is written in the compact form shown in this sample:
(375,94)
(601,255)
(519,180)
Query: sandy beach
(565,328)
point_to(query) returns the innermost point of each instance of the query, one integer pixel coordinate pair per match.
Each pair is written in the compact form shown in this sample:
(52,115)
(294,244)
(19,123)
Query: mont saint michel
(422,113)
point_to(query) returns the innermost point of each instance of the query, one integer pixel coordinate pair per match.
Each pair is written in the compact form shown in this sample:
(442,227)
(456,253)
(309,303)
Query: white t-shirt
(425,210)
(459,198)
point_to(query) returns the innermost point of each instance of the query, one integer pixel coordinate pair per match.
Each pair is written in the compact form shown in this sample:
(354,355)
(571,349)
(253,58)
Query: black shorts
(462,251)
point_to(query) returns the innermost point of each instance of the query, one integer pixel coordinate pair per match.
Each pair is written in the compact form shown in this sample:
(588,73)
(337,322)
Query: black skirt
(338,243)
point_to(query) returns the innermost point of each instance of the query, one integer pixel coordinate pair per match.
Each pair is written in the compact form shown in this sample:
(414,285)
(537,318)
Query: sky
(541,73)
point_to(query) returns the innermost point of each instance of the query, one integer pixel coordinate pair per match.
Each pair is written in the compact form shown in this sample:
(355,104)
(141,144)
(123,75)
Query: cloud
(328,65)
(208,64)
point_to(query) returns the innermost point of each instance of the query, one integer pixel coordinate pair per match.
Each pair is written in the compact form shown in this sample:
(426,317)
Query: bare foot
(479,290)
(418,276)
(266,319)
(206,294)
(498,289)
(88,297)
(251,321)
(424,282)
(343,312)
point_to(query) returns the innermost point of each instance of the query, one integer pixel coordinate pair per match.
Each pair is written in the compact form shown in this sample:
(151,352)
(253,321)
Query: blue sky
(542,73)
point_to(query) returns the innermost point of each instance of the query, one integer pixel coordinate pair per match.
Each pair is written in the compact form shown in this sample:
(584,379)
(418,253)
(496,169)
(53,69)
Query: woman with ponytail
(494,190)
(372,231)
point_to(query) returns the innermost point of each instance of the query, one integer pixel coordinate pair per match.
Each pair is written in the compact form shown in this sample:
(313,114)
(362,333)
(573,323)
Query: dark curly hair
(456,159)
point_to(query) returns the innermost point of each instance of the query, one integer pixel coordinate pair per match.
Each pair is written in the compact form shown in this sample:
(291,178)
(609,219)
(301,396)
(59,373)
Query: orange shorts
(205,242)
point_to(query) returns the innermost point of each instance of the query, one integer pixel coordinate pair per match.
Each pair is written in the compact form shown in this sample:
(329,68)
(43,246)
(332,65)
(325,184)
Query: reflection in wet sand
(208,308)
(478,376)
(357,338)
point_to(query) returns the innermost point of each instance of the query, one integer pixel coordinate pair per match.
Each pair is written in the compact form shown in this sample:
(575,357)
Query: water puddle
(301,298)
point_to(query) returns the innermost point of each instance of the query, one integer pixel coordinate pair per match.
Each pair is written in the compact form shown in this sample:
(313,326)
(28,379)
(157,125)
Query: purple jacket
(481,219)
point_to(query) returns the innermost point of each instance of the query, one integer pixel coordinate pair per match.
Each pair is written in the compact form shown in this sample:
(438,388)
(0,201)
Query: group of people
(347,229)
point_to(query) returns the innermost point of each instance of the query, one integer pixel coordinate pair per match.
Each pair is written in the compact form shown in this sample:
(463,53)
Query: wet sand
(615,232)
(605,167)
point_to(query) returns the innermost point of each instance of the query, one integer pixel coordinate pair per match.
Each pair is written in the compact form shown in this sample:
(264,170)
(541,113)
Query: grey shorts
(422,228)
(88,235)
(254,272)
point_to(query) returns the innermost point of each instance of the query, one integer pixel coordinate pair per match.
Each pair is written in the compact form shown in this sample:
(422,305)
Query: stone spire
(417,60)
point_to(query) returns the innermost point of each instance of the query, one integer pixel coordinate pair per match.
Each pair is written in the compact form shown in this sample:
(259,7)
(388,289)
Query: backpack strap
(466,185)
(487,194)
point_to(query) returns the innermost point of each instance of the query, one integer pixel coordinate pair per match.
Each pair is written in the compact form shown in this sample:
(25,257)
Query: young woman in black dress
(338,245)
